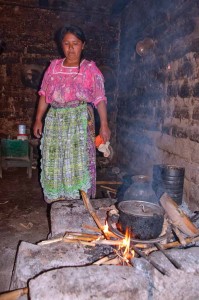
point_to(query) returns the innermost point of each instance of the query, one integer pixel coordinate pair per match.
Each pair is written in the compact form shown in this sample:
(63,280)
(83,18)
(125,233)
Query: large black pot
(144,219)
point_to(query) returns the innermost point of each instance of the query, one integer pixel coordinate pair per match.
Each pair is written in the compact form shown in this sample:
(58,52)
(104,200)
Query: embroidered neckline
(62,64)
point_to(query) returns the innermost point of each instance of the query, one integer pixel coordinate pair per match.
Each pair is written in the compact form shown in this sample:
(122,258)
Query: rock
(71,215)
(93,282)
(34,259)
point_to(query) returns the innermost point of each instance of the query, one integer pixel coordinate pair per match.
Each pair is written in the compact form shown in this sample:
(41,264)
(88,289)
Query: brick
(194,136)
(184,90)
(195,115)
(196,90)
(185,70)
(181,112)
(172,90)
(179,132)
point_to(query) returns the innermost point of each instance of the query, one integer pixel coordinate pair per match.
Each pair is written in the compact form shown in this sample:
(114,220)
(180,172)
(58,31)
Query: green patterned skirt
(64,151)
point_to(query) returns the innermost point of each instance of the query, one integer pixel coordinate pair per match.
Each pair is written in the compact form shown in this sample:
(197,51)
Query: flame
(105,228)
(127,253)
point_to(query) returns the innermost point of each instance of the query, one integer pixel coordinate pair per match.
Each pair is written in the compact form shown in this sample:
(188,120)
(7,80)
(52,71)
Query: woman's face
(72,47)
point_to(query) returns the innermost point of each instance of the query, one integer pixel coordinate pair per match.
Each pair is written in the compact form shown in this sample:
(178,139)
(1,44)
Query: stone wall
(158,101)
(28,32)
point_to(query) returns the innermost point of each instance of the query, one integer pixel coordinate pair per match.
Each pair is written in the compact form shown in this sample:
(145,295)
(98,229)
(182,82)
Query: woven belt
(70,104)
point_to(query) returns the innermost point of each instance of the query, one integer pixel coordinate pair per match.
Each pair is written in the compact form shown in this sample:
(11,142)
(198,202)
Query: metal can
(22,129)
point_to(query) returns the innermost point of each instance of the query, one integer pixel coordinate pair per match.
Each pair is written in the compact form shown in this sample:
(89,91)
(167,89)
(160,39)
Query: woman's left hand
(105,133)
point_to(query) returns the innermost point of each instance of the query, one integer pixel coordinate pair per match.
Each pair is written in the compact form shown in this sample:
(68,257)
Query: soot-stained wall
(27,36)
(158,101)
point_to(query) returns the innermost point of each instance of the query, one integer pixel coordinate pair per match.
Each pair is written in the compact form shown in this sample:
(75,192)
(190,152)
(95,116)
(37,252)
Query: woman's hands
(105,132)
(38,126)
(37,129)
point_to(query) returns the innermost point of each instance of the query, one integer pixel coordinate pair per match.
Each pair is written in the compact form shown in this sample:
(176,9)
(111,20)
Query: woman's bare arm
(38,126)
(105,132)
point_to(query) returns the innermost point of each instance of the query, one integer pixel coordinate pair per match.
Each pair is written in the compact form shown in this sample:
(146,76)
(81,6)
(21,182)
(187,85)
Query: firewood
(175,244)
(177,216)
(149,259)
(79,238)
(113,261)
(101,260)
(86,226)
(179,235)
(91,210)
(79,242)
(14,295)
(109,182)
(169,257)
(107,242)
(81,234)
(47,242)
(108,188)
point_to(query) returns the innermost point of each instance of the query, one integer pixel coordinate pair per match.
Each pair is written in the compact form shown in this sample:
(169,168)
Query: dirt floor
(23,216)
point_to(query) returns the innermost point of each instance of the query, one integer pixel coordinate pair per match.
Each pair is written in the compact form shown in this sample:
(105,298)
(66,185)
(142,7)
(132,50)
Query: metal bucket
(169,179)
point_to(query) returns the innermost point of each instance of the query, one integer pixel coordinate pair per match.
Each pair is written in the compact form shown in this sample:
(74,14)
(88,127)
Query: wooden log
(113,261)
(91,210)
(169,257)
(177,216)
(108,188)
(175,244)
(153,263)
(109,182)
(14,295)
(179,235)
(101,261)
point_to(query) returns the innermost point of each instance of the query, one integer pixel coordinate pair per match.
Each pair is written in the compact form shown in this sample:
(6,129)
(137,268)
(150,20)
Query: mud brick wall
(27,32)
(158,99)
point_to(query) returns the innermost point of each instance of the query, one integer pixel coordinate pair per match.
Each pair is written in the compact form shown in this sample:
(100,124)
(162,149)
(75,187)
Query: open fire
(123,247)
(89,246)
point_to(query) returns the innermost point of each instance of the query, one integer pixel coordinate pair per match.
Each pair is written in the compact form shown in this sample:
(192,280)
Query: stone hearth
(66,271)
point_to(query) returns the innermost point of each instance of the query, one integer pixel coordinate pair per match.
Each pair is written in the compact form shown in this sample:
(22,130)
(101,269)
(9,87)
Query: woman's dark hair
(77,31)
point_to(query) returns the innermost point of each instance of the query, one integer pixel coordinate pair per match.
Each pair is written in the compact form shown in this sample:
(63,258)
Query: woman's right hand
(37,129)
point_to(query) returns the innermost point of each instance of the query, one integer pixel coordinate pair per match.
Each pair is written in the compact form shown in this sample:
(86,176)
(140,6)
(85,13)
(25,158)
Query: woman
(67,145)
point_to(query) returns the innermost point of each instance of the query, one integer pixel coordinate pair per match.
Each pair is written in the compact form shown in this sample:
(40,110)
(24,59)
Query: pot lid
(140,208)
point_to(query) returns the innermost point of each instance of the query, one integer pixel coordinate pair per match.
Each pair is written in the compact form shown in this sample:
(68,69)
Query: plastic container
(22,129)
(22,137)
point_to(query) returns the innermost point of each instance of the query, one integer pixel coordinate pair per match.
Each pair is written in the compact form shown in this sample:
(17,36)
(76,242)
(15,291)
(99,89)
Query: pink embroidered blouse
(63,84)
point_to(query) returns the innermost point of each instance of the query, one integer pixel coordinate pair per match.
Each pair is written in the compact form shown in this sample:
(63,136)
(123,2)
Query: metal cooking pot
(144,219)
